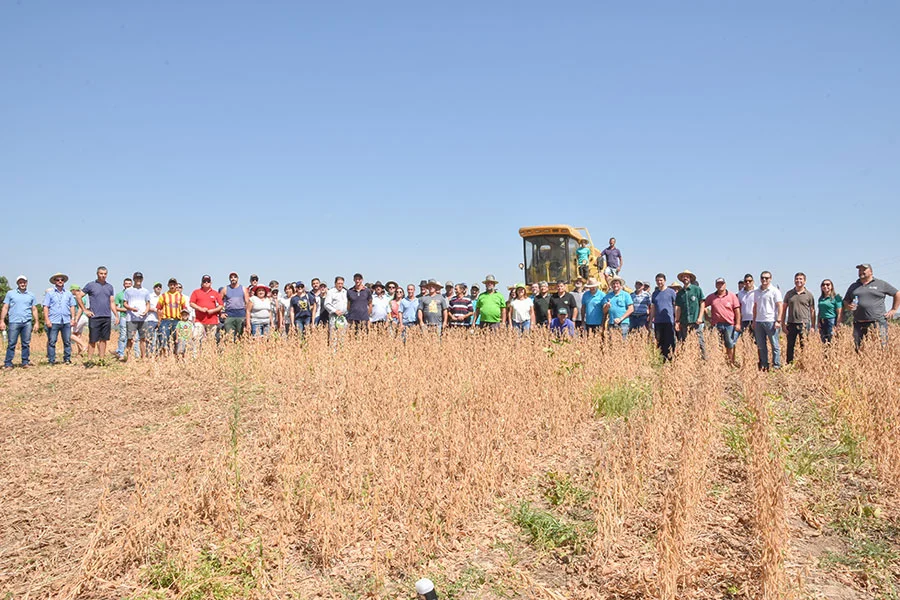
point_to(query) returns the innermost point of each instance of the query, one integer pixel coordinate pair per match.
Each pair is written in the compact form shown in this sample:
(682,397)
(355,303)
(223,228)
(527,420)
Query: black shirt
(567,300)
(542,309)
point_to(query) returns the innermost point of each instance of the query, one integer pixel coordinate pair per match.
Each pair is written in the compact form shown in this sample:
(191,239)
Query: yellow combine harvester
(550,254)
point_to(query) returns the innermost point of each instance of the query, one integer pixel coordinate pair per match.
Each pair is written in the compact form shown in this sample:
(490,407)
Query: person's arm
(35,318)
(650,314)
(574,310)
(779,313)
(894,307)
(737,316)
(3,313)
(79,298)
(419,315)
(677,318)
(839,312)
(530,314)
(605,315)
(46,313)
(370,306)
(621,263)
(812,309)
(113,309)
(444,320)
(702,312)
(503,314)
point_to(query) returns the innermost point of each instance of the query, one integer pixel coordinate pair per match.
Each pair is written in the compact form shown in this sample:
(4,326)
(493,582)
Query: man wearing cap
(169,307)
(433,308)
(21,306)
(689,308)
(359,304)
(865,298)
(137,303)
(449,290)
(381,305)
(725,316)
(561,298)
(490,308)
(59,317)
(592,306)
(207,304)
(799,314)
(641,299)
(618,306)
(101,314)
(767,316)
(561,324)
(235,299)
(662,316)
(542,304)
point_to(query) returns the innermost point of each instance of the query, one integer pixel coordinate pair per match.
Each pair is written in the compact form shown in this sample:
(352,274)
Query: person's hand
(48,323)
(737,327)
(777,324)
(89,313)
(2,326)
(677,326)
(700,320)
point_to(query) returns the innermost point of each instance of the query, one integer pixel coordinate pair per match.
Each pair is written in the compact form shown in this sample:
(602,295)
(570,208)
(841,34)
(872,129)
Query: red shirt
(207,299)
(723,307)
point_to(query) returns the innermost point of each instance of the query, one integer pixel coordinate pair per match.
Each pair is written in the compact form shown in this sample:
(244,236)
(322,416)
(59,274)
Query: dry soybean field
(498,466)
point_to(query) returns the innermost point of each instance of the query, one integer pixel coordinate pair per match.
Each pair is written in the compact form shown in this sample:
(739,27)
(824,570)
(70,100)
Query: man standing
(745,296)
(583,258)
(235,299)
(359,304)
(689,308)
(641,299)
(409,310)
(542,304)
(578,294)
(592,305)
(207,304)
(137,304)
(799,314)
(59,317)
(381,305)
(618,306)
(561,298)
(865,298)
(767,306)
(168,308)
(433,308)
(662,315)
(449,290)
(490,308)
(21,306)
(423,288)
(321,312)
(151,324)
(101,314)
(725,316)
(611,261)
(336,307)
(460,308)
(122,313)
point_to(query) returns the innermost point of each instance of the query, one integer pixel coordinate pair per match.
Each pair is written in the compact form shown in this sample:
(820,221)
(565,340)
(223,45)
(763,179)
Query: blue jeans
(123,334)
(301,323)
(686,328)
(766,331)
(259,329)
(860,330)
(16,331)
(151,329)
(166,332)
(826,329)
(623,327)
(52,335)
(638,321)
(523,326)
(728,335)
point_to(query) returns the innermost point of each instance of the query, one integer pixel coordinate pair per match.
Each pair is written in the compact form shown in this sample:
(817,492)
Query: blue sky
(409,140)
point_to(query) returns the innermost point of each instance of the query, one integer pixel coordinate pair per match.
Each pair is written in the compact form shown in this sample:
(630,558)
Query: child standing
(184,330)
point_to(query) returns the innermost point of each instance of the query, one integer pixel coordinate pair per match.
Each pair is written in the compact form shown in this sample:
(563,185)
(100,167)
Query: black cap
(173,281)
(137,275)
(205,278)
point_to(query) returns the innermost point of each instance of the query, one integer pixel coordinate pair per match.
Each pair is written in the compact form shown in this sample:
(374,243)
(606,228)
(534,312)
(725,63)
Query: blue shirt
(664,304)
(618,304)
(99,293)
(641,302)
(58,303)
(20,304)
(560,327)
(409,309)
(592,307)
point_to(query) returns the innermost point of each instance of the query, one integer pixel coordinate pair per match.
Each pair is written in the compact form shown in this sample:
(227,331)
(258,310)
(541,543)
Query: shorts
(728,334)
(80,325)
(180,346)
(610,271)
(133,327)
(99,328)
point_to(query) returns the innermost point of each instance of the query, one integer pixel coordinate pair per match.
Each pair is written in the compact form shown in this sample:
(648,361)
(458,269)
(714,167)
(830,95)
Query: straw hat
(55,275)
(676,284)
(490,279)
(689,274)
(591,283)
(619,279)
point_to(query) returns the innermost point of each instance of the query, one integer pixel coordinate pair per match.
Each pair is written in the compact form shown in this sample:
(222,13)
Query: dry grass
(277,469)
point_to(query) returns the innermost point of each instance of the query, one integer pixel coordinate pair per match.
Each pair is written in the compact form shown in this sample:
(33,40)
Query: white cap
(423,586)
(21,278)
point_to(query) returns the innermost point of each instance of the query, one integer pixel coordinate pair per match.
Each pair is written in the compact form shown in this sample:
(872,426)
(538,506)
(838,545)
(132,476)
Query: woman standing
(260,315)
(396,313)
(521,309)
(830,308)
(284,308)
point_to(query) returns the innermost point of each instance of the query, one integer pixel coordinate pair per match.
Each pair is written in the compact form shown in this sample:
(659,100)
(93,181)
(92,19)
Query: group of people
(171,321)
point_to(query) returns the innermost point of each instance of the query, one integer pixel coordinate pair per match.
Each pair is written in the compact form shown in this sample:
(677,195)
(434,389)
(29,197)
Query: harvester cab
(550,254)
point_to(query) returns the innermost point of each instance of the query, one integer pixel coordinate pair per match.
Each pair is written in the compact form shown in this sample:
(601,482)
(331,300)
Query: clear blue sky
(409,140)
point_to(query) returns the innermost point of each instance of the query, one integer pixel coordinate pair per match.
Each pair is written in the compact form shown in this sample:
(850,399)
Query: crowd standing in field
(171,322)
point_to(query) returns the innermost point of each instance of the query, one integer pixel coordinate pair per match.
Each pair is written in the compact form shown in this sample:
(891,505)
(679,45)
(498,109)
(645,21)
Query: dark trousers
(795,332)
(665,338)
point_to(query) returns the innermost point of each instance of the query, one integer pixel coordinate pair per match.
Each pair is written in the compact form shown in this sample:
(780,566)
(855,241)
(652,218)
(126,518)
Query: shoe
(67,362)
(28,366)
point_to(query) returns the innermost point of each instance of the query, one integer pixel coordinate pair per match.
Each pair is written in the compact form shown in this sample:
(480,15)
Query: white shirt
(765,301)
(521,310)
(747,299)
(381,306)
(152,317)
(336,301)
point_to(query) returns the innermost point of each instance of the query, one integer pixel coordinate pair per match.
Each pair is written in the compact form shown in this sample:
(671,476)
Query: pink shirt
(723,307)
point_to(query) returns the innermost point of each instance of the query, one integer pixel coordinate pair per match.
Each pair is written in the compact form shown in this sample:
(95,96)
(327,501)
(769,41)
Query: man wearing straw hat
(592,305)
(59,317)
(21,306)
(689,307)
(618,306)
(490,306)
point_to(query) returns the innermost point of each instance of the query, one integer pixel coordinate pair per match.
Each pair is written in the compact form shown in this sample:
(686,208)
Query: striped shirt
(170,305)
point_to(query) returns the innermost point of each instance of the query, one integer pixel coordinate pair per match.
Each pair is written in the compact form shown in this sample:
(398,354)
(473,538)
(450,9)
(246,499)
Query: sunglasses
(766,278)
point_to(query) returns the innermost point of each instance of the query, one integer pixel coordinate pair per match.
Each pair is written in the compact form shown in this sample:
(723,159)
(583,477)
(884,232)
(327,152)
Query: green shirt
(689,300)
(120,303)
(490,306)
(828,307)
